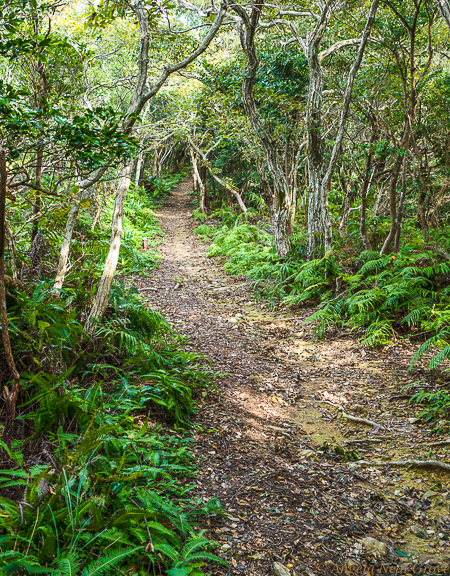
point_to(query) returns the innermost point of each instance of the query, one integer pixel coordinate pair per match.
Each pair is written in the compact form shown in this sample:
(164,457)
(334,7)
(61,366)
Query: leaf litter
(297,437)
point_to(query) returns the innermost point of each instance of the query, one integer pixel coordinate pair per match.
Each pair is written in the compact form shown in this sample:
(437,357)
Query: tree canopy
(317,134)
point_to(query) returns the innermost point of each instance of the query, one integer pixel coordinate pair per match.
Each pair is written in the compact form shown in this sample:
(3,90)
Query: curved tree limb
(223,183)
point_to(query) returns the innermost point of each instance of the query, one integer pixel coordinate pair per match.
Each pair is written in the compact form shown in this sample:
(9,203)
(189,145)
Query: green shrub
(111,497)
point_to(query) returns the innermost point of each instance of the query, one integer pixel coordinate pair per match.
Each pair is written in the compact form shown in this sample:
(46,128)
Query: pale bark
(393,201)
(198,181)
(266,191)
(282,193)
(39,98)
(104,288)
(9,244)
(410,95)
(224,183)
(433,216)
(139,98)
(139,163)
(99,209)
(367,183)
(363,215)
(319,224)
(37,199)
(444,8)
(140,158)
(61,270)
(401,205)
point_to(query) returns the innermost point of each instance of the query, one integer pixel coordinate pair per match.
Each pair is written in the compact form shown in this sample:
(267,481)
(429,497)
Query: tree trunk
(223,183)
(444,9)
(433,217)
(9,244)
(392,205)
(282,194)
(104,288)
(266,191)
(401,205)
(98,209)
(421,213)
(363,218)
(139,168)
(37,199)
(367,183)
(196,177)
(67,240)
(319,224)
(205,202)
(11,395)
(141,95)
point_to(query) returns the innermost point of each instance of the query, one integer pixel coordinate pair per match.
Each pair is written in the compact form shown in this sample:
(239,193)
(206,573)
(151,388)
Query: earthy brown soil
(258,435)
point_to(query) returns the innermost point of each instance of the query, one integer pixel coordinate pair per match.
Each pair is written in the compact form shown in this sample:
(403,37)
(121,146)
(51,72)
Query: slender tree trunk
(70,225)
(319,224)
(282,195)
(223,183)
(294,185)
(139,168)
(363,218)
(433,217)
(9,244)
(421,212)
(104,288)
(61,271)
(141,95)
(367,183)
(39,98)
(392,204)
(98,207)
(401,205)
(266,191)
(37,199)
(198,184)
(10,395)
(204,180)
(444,9)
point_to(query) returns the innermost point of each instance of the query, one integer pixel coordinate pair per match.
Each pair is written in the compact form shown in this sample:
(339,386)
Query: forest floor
(258,434)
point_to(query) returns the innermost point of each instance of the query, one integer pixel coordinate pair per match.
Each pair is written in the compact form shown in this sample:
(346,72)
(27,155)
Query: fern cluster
(111,497)
(380,295)
(96,487)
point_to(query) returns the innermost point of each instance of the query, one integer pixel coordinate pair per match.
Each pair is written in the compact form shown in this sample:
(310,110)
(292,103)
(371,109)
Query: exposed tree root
(411,463)
(441,443)
(349,417)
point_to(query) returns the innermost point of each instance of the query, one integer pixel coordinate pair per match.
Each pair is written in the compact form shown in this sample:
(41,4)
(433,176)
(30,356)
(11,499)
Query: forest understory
(224,287)
(301,484)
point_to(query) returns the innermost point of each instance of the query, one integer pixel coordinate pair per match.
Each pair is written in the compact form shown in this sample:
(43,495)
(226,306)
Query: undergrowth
(97,480)
(111,489)
(381,297)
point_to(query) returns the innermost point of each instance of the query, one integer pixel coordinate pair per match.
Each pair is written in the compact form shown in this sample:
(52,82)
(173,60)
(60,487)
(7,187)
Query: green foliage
(115,494)
(204,231)
(198,215)
(383,296)
(437,404)
(114,497)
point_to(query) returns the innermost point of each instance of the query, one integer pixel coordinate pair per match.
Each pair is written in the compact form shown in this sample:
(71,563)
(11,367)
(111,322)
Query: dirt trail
(258,435)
